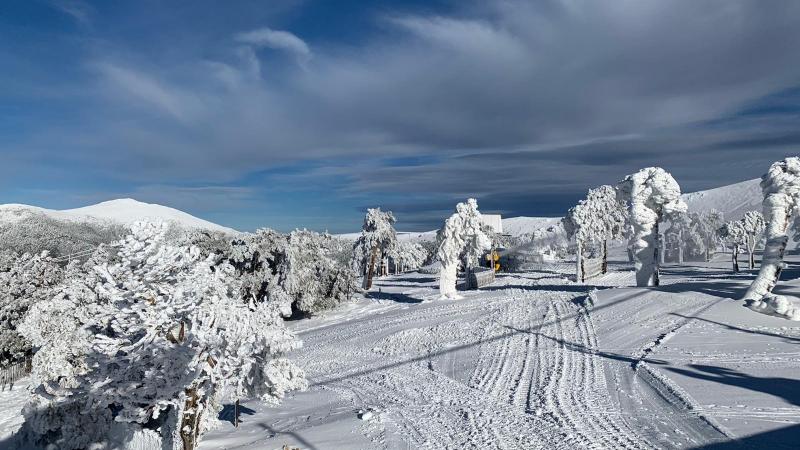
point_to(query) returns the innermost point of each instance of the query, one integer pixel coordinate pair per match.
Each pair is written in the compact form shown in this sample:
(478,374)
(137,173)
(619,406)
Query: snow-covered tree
(708,223)
(753,224)
(151,346)
(377,238)
(598,218)
(316,281)
(299,272)
(60,238)
(460,240)
(781,189)
(734,234)
(24,281)
(650,194)
(680,232)
(408,256)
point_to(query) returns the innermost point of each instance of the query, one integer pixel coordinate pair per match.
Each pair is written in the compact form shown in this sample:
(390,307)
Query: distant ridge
(122,211)
(732,200)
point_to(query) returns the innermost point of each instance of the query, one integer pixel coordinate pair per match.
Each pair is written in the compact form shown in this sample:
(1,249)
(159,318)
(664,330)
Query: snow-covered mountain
(733,200)
(121,211)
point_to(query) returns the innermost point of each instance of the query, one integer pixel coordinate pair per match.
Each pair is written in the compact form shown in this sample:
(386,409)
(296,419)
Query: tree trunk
(190,420)
(680,247)
(605,256)
(751,250)
(656,255)
(735,258)
(578,261)
(662,251)
(777,213)
(236,414)
(371,269)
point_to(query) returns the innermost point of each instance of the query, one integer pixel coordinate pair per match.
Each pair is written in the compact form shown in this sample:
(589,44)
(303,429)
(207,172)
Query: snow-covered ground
(523,364)
(529,362)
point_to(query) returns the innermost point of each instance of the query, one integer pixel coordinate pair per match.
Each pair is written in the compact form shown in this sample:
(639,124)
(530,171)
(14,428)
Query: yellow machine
(493,257)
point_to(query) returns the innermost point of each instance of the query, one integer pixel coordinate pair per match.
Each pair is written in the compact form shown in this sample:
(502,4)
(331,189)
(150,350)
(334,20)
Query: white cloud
(278,40)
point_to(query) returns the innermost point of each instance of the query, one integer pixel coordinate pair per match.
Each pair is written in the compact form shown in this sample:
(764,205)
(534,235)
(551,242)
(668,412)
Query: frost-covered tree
(408,256)
(149,347)
(460,240)
(377,238)
(60,238)
(650,194)
(598,218)
(24,281)
(299,272)
(753,224)
(734,234)
(680,228)
(781,189)
(708,223)
(316,281)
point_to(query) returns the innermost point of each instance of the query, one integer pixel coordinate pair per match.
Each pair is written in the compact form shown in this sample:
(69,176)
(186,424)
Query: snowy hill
(733,200)
(120,211)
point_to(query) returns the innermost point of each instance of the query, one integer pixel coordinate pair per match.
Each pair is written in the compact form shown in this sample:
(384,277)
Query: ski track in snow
(511,367)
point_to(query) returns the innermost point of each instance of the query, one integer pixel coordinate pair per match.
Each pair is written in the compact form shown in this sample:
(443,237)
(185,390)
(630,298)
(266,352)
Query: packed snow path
(515,365)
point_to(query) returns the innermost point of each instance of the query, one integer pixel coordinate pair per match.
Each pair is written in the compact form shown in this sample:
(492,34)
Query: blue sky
(304,113)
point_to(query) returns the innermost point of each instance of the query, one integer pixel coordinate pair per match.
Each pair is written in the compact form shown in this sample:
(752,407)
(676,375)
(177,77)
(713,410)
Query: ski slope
(527,364)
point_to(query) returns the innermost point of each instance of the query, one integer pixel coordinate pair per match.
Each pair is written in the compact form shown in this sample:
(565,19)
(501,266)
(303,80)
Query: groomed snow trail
(511,366)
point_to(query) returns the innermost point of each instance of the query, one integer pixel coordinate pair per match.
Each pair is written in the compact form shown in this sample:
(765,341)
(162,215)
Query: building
(493,220)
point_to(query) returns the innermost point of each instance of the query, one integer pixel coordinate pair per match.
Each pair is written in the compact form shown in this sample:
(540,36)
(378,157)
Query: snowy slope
(517,226)
(119,211)
(733,200)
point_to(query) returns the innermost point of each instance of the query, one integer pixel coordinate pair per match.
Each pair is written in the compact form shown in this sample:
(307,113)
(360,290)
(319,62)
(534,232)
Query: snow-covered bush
(598,218)
(461,239)
(60,238)
(24,281)
(781,188)
(650,194)
(377,238)
(151,344)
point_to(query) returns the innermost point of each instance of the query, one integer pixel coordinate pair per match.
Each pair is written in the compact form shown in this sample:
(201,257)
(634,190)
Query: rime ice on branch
(781,188)
(650,194)
(461,237)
